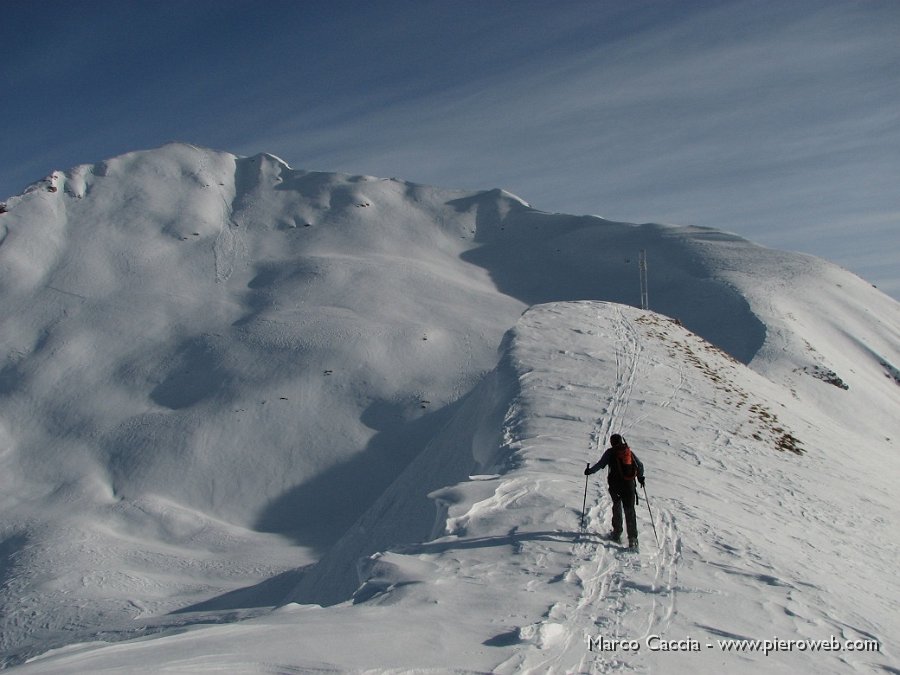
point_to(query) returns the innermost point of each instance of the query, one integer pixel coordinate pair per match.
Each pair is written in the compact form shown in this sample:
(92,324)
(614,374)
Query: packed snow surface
(269,420)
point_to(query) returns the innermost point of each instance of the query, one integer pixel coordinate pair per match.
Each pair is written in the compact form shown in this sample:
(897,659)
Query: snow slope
(220,371)
(755,542)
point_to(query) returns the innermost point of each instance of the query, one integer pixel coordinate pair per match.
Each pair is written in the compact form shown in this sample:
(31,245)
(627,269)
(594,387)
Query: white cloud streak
(782,125)
(778,121)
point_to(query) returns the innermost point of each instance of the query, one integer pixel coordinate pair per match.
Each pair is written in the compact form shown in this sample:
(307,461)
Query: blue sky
(779,121)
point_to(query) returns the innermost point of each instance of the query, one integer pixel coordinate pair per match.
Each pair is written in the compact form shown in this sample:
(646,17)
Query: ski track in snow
(619,594)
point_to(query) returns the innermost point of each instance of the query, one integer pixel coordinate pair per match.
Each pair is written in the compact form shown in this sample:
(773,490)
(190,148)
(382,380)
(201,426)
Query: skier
(624,468)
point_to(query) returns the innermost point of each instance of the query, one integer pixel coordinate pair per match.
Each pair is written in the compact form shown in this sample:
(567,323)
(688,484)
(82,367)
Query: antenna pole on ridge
(642,266)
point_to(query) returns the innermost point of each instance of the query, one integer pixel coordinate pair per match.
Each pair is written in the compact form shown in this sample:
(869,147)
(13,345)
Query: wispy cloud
(774,120)
(781,124)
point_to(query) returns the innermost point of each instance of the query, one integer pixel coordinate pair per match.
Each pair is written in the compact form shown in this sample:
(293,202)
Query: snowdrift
(755,539)
(227,382)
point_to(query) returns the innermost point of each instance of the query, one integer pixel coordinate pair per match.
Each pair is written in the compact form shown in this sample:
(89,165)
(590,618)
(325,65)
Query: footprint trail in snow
(608,591)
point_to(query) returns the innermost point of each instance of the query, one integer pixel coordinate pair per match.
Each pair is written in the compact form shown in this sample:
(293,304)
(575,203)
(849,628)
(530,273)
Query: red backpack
(625,463)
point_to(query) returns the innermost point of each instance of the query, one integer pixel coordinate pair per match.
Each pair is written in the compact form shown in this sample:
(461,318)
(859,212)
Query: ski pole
(584,503)
(647,500)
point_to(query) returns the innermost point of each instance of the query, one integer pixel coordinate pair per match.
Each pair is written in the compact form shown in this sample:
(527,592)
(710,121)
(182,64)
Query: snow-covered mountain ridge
(755,543)
(215,365)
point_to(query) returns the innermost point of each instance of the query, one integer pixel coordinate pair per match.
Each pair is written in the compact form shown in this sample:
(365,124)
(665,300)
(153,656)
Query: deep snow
(221,370)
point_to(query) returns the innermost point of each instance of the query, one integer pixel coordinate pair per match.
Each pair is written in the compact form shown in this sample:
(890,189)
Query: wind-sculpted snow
(226,381)
(753,543)
(510,539)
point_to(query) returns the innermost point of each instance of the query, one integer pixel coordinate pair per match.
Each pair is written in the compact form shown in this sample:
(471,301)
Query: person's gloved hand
(641,480)
(587,471)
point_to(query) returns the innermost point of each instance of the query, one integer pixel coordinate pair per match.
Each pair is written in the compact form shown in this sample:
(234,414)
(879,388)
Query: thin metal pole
(642,267)
(647,500)
(584,503)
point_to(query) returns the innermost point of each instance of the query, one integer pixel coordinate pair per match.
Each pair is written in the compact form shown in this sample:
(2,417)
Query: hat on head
(616,439)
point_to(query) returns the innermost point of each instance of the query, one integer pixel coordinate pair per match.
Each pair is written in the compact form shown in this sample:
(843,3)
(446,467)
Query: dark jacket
(609,460)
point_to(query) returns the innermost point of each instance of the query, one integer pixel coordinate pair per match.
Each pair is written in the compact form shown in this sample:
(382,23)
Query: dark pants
(624,498)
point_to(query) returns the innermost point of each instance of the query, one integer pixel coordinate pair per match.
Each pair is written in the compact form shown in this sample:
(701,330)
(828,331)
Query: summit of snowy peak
(274,158)
(505,194)
(496,201)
